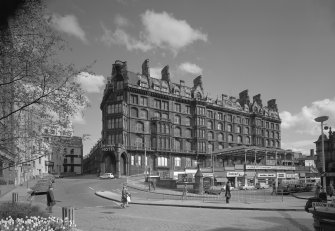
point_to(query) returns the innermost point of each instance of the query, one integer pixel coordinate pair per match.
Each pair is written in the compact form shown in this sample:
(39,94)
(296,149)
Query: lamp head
(321,118)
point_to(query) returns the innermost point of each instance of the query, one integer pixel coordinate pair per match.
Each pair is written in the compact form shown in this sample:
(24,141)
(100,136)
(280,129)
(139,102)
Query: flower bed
(36,224)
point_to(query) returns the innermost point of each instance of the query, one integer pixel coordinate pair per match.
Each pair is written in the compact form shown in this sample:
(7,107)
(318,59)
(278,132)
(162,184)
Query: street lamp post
(322,119)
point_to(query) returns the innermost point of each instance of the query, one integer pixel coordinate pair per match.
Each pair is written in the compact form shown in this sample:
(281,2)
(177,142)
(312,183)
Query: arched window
(238,129)
(239,139)
(210,125)
(272,143)
(177,132)
(188,121)
(134,112)
(188,133)
(176,144)
(266,143)
(72,151)
(210,147)
(188,146)
(139,127)
(210,135)
(157,114)
(177,119)
(198,95)
(220,137)
(246,130)
(220,146)
(229,128)
(220,126)
(165,116)
(144,114)
(230,138)
(247,140)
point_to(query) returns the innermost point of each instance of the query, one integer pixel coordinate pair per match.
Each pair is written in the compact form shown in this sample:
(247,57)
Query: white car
(107,176)
(247,187)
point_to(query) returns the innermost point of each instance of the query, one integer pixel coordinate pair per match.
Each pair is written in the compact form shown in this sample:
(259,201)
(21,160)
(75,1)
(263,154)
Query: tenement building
(162,127)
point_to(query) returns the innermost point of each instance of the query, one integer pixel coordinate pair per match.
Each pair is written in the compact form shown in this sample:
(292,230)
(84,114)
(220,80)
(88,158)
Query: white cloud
(190,68)
(156,72)
(120,37)
(159,30)
(163,30)
(67,24)
(78,118)
(121,21)
(303,122)
(91,83)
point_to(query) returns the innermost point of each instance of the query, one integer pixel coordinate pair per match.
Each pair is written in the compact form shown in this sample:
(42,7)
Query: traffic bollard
(68,212)
(15,197)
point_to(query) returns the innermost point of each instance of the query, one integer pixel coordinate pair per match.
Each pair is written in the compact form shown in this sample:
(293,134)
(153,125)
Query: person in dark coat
(228,194)
(124,196)
(50,199)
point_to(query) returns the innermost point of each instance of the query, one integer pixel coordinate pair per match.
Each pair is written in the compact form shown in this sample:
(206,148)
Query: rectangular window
(132,160)
(109,123)
(220,116)
(165,105)
(177,107)
(157,104)
(162,161)
(188,162)
(188,109)
(177,161)
(144,101)
(134,99)
(210,114)
(139,161)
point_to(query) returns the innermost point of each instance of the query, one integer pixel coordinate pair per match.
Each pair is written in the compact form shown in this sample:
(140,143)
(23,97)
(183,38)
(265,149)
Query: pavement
(294,202)
(290,203)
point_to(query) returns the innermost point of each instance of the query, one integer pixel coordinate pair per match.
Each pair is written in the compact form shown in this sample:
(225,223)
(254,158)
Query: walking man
(228,194)
(274,189)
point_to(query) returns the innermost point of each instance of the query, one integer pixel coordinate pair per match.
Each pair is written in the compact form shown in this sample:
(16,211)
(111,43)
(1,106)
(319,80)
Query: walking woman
(125,197)
(227,194)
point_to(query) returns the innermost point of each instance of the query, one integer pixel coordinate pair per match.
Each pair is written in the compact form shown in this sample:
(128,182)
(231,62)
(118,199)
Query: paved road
(95,213)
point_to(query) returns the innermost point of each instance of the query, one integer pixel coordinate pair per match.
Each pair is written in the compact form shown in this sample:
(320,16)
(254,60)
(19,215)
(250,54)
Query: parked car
(216,190)
(247,187)
(262,186)
(57,175)
(107,176)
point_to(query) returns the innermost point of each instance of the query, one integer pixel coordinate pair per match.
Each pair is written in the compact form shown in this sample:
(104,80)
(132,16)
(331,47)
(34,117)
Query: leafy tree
(37,87)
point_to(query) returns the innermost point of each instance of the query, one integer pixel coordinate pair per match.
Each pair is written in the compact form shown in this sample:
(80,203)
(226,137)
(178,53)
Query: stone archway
(123,164)
(109,161)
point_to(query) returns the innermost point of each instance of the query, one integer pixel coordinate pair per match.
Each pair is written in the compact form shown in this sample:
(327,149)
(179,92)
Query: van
(262,185)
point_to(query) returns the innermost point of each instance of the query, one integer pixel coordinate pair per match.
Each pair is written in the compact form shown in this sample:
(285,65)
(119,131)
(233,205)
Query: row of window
(161,161)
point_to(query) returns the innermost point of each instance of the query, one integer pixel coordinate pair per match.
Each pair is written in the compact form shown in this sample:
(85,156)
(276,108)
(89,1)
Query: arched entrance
(110,162)
(123,164)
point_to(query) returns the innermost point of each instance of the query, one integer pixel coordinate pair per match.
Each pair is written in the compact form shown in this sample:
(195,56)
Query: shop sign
(266,167)
(266,175)
(108,148)
(281,175)
(235,174)
(294,175)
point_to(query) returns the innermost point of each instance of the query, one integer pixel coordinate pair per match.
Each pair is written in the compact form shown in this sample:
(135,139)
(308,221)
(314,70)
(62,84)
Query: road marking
(91,188)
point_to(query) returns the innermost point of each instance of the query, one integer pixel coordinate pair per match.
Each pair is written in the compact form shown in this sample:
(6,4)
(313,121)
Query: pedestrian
(323,195)
(317,191)
(184,195)
(331,190)
(228,194)
(50,199)
(125,197)
(274,189)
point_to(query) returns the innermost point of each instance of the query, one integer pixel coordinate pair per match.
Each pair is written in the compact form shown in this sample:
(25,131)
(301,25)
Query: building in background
(156,125)
(91,162)
(329,151)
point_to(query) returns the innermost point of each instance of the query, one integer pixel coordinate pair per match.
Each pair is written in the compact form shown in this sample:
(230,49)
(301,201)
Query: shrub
(20,210)
(36,224)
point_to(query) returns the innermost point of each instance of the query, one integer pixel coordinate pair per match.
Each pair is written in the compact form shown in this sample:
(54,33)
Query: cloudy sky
(284,50)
